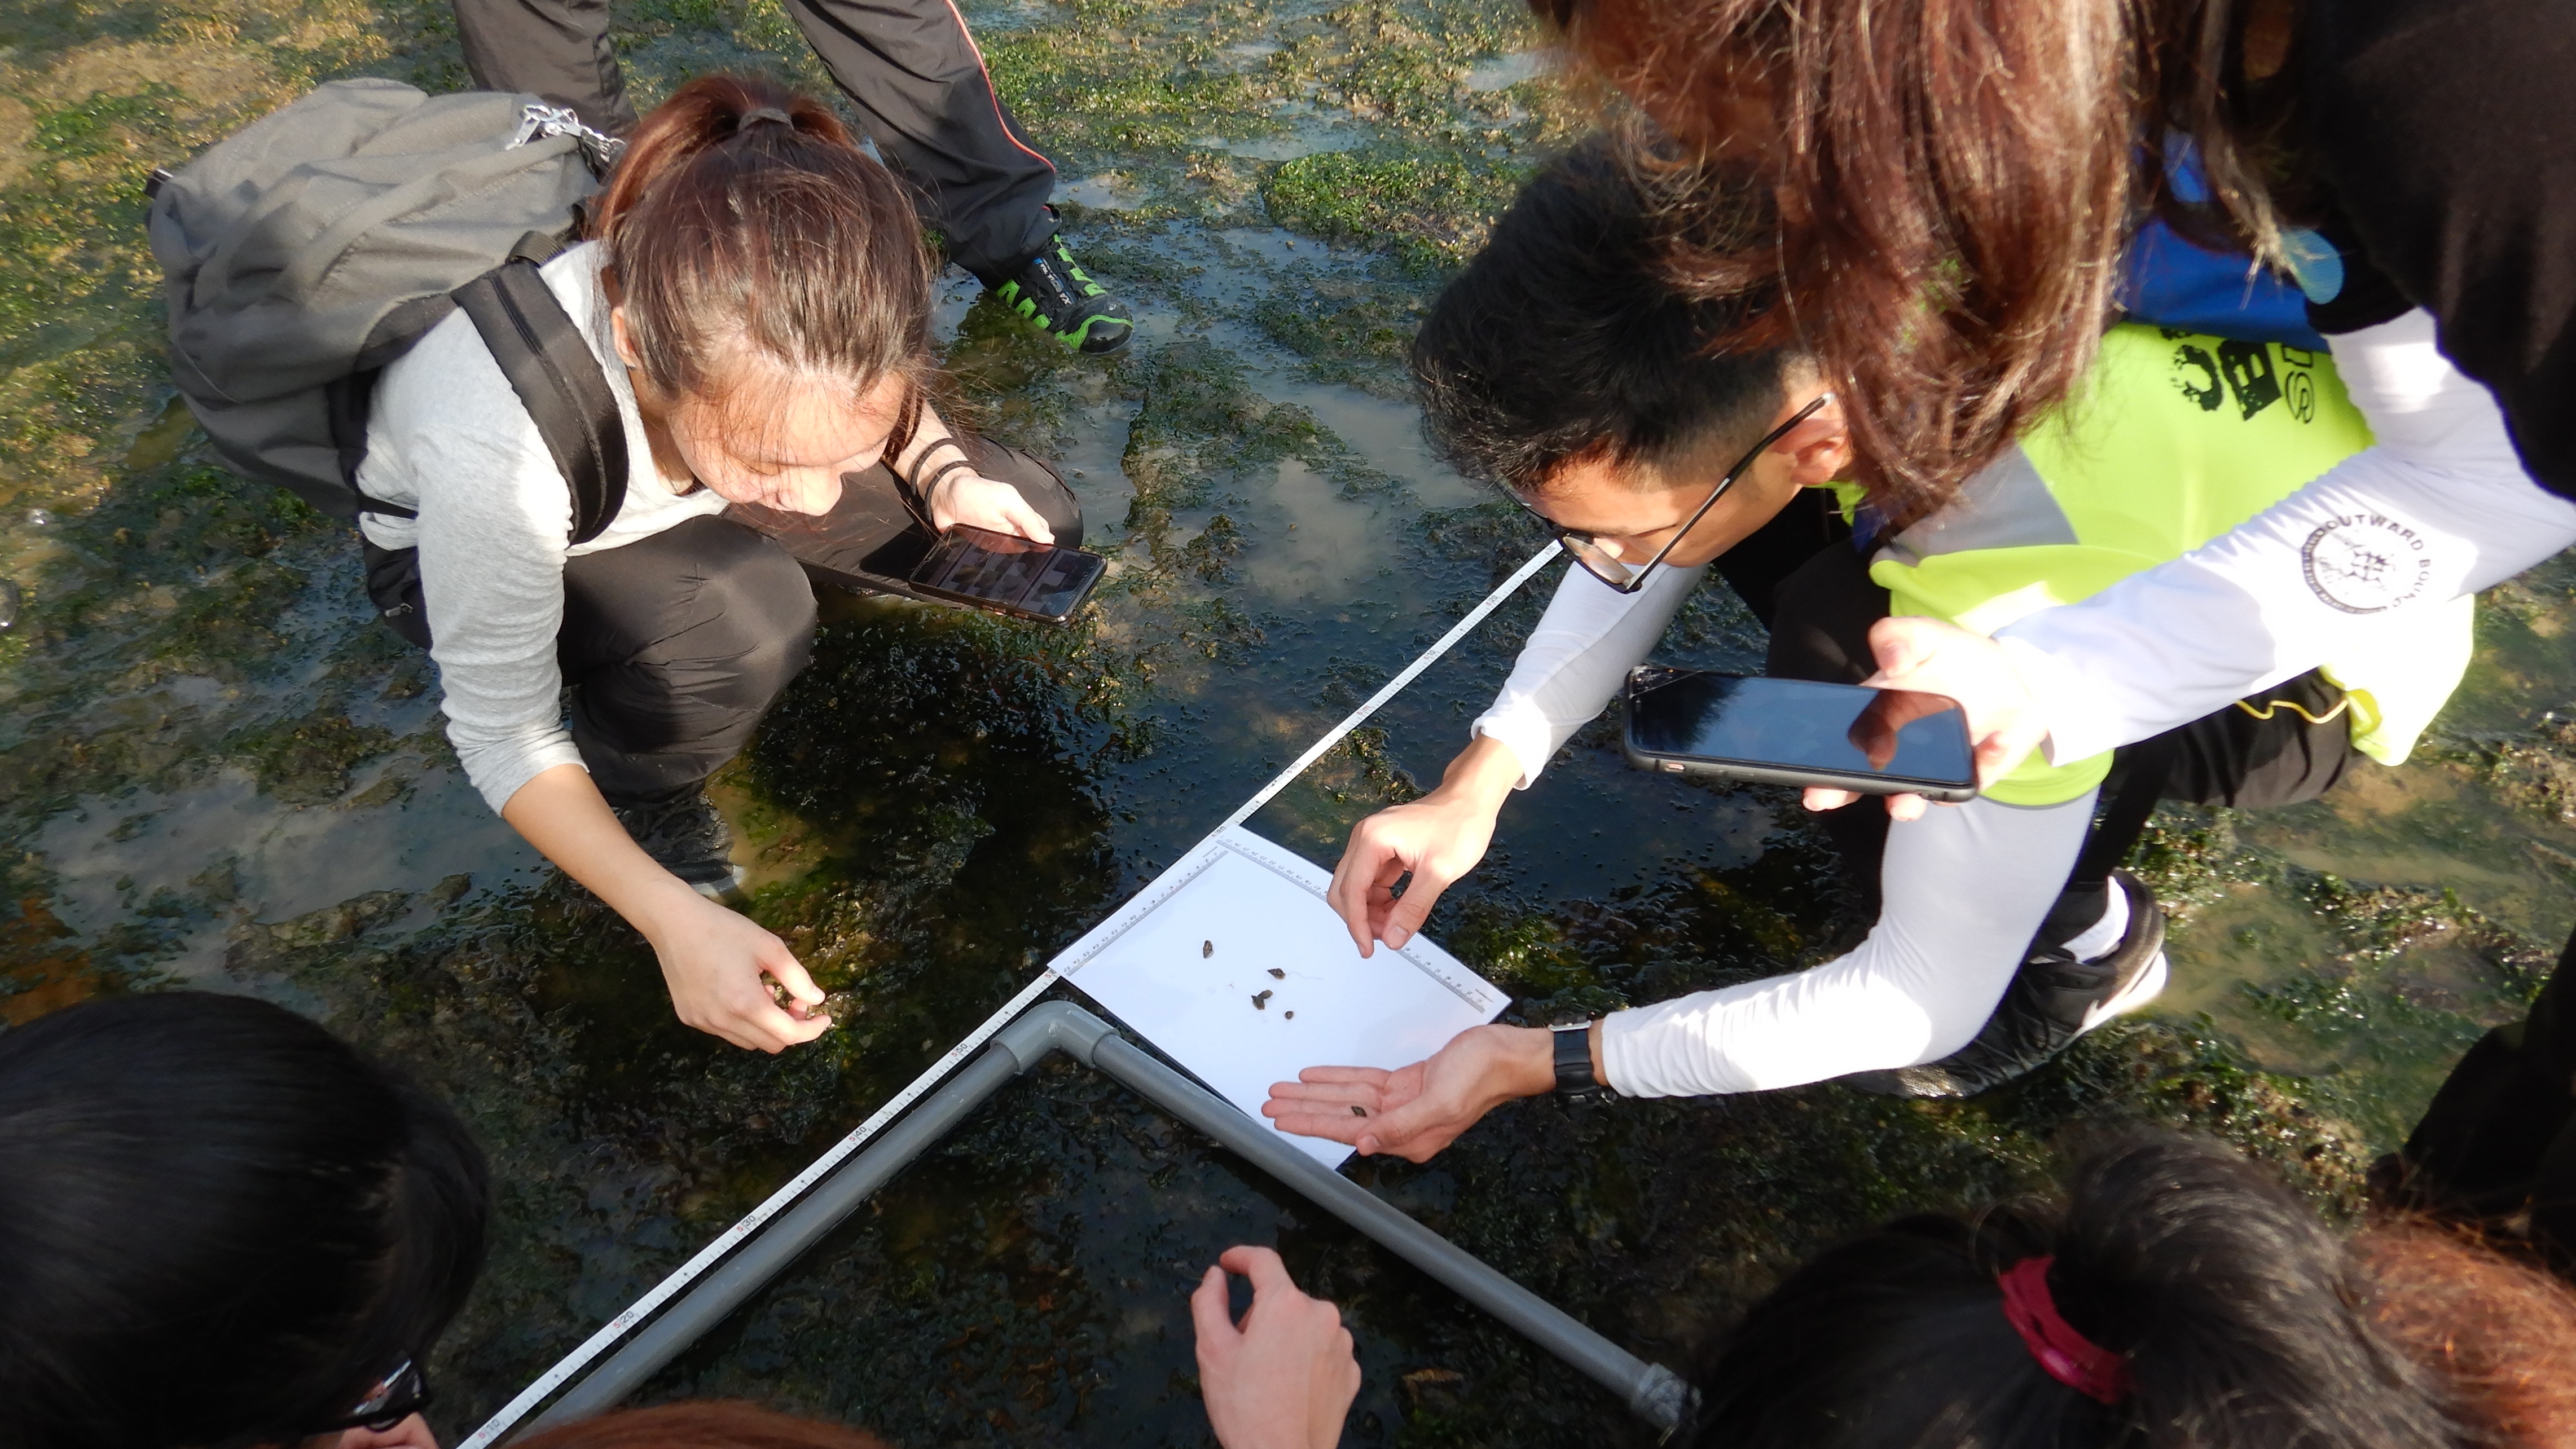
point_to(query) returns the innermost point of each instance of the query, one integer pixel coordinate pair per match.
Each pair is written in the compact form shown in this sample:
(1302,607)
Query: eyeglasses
(1600,557)
(396,1397)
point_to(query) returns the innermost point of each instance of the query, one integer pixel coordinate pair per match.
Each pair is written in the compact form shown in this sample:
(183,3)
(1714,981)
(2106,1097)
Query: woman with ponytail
(755,290)
(2175,1295)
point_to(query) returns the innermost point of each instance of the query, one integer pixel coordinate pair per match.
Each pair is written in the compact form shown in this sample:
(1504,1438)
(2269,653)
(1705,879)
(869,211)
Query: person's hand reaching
(720,967)
(1415,1111)
(1927,655)
(980,502)
(1284,1378)
(1435,839)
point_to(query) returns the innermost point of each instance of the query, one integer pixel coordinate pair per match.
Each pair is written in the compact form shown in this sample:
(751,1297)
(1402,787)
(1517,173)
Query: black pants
(2497,1147)
(675,645)
(909,66)
(2232,757)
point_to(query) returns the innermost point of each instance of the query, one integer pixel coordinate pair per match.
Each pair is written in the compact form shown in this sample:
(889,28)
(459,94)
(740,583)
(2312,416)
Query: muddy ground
(215,771)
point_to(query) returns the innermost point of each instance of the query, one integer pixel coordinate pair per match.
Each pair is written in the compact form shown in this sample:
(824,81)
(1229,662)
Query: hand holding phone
(1798,732)
(1880,726)
(973,501)
(1008,574)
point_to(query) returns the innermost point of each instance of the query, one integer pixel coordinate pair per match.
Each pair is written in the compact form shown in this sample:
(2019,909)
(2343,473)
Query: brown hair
(703,1424)
(2502,1333)
(1933,194)
(721,222)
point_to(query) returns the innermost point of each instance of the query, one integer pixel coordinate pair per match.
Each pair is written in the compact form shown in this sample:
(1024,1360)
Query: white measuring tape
(725,1242)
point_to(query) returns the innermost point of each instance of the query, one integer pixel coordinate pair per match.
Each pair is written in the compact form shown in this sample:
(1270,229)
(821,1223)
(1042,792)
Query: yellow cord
(2276,706)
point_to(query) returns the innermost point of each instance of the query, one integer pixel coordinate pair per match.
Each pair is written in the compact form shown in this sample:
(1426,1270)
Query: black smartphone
(1798,732)
(1008,574)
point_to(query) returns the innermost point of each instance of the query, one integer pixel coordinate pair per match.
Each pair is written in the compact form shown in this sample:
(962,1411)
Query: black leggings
(2497,1147)
(675,645)
(909,67)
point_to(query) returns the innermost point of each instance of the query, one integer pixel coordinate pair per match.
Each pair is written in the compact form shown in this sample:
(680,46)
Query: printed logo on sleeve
(2363,563)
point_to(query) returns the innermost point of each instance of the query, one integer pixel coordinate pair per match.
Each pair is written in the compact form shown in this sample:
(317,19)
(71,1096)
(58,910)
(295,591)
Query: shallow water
(216,773)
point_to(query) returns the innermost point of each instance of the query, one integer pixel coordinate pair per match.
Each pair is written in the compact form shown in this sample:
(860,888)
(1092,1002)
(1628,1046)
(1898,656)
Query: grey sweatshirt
(448,437)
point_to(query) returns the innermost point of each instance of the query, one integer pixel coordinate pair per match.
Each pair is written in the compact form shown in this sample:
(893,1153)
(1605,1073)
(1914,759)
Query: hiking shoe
(2053,999)
(687,837)
(1054,294)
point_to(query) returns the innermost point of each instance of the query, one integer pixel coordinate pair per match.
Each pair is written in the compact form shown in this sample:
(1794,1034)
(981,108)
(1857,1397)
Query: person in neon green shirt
(1560,368)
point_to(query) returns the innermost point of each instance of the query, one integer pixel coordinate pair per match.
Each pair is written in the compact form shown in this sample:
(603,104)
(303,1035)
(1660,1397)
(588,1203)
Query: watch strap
(1574,1074)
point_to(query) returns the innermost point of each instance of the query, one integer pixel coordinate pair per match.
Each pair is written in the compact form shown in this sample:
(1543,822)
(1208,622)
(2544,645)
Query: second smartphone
(1797,732)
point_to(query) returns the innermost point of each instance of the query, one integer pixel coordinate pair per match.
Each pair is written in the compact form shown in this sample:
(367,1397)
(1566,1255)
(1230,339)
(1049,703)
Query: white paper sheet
(1182,962)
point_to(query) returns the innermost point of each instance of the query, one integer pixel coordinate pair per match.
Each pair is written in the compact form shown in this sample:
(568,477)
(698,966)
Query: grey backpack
(313,246)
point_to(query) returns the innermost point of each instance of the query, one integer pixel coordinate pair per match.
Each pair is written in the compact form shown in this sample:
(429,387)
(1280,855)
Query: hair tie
(2069,1357)
(757,114)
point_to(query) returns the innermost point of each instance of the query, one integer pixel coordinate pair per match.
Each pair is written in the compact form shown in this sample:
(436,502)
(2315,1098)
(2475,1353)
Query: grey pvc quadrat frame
(1654,1393)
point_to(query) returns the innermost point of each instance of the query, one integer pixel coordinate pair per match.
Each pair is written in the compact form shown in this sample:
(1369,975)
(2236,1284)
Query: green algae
(943,800)
(1431,209)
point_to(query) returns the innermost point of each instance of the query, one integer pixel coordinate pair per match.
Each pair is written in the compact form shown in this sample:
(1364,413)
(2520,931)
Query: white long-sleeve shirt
(448,437)
(1576,659)
(2439,507)
(1963,891)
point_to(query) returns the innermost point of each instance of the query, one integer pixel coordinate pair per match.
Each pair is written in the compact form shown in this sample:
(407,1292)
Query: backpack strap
(558,379)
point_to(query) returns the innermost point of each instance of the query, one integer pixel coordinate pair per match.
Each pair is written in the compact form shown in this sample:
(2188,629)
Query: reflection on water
(1503,71)
(1304,130)
(1107,191)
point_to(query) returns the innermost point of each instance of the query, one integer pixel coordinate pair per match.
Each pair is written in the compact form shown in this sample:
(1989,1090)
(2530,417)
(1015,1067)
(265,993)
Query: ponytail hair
(2233,1310)
(743,214)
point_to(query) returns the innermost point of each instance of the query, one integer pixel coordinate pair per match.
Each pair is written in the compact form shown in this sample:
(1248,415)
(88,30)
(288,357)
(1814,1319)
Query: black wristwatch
(1574,1076)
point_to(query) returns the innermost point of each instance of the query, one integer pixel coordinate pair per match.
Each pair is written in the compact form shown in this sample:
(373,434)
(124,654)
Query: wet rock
(2540,773)
(257,944)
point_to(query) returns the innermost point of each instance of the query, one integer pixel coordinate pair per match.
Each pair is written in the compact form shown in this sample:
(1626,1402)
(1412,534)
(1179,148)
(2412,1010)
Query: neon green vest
(2173,440)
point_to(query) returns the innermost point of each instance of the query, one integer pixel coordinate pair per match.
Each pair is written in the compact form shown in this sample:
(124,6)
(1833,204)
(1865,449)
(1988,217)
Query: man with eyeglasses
(1561,367)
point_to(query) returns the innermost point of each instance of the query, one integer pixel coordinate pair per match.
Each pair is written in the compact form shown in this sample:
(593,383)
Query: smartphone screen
(1059,587)
(1037,580)
(1793,725)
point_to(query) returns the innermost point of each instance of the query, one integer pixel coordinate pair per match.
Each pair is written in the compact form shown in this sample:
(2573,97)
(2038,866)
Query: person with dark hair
(220,1226)
(756,294)
(2174,1294)
(1561,367)
(1949,184)
(925,99)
